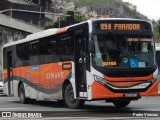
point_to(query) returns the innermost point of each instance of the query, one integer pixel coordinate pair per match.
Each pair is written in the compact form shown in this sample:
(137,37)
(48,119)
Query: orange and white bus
(109,59)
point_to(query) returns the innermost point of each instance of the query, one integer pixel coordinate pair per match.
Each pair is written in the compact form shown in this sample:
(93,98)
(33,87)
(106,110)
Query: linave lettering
(54,75)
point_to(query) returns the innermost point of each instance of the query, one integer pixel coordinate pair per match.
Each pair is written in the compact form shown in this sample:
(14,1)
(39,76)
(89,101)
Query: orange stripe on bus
(61,30)
(47,76)
(123,83)
(127,78)
(4,73)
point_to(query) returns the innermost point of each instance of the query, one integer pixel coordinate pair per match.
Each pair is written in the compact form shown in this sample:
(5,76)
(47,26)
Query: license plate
(130,94)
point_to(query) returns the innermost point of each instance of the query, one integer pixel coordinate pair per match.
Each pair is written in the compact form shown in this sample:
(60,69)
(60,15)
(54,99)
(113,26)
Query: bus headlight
(155,76)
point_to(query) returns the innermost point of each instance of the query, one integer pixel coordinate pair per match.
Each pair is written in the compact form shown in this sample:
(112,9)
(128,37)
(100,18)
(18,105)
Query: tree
(78,17)
(158,26)
(156,29)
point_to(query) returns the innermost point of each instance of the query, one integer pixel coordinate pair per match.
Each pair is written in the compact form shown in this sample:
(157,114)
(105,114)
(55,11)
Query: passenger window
(34,53)
(48,51)
(22,51)
(65,47)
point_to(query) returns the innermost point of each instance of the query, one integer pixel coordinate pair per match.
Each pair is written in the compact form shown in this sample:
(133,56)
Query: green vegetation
(156,27)
(78,17)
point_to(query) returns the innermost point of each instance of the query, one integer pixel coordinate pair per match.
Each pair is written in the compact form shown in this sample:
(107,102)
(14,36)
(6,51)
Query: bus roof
(34,36)
(53,31)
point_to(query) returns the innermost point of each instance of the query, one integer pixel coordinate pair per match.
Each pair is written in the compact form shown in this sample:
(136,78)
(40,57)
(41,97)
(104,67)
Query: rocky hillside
(105,8)
(112,8)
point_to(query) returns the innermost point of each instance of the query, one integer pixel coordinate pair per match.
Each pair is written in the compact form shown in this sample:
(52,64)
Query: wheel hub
(71,96)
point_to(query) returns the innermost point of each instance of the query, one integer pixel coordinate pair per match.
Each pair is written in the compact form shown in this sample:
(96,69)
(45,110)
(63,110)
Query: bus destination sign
(119,26)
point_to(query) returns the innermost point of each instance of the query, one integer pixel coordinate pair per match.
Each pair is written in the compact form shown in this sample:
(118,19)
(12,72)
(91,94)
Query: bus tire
(69,98)
(119,103)
(22,97)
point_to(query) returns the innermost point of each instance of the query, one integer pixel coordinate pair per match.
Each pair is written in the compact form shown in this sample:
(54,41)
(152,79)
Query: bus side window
(47,54)
(34,53)
(65,47)
(52,51)
(22,52)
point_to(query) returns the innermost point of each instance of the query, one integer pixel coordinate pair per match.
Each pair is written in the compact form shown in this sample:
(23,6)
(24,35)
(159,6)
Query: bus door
(34,68)
(80,63)
(9,73)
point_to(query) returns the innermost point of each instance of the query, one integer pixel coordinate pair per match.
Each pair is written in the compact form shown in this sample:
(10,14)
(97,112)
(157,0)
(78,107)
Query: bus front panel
(123,59)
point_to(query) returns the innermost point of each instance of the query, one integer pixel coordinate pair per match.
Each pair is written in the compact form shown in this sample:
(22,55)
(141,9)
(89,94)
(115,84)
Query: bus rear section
(123,61)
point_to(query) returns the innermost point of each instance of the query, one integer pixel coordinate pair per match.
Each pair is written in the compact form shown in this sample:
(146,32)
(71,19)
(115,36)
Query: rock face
(97,8)
(111,8)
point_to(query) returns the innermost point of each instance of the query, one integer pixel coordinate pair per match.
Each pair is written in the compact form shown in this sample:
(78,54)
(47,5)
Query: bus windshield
(123,50)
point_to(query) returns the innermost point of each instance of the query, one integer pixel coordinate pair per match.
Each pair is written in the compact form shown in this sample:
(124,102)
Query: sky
(149,8)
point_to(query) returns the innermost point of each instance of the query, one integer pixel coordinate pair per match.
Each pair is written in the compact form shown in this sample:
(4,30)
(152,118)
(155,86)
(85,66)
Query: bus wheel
(119,103)
(22,97)
(69,98)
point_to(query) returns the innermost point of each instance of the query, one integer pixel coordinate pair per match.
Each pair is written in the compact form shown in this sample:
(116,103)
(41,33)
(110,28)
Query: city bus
(110,59)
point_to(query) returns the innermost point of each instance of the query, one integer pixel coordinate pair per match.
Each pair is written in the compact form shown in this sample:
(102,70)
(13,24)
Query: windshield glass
(123,51)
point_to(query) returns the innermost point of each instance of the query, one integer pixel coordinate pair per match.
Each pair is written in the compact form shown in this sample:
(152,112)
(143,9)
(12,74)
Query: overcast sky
(149,8)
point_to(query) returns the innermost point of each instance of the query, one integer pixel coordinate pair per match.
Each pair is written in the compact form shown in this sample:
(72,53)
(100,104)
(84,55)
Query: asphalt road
(145,108)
